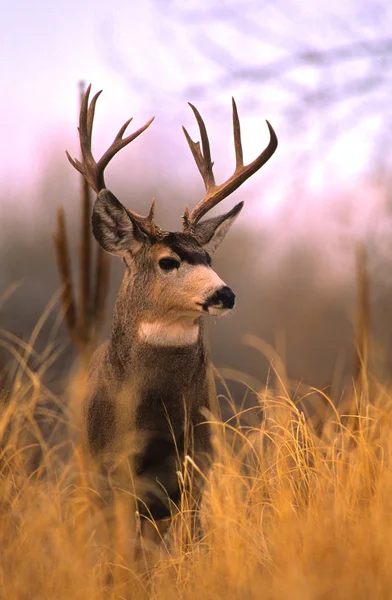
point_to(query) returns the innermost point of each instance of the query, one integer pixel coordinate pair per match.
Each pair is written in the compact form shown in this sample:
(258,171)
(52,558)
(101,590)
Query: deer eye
(168,264)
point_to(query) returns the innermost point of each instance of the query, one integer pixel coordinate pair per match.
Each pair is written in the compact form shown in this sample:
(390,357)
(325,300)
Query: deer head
(171,272)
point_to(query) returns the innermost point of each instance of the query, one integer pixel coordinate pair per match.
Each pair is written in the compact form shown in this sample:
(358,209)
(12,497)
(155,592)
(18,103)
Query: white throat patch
(162,333)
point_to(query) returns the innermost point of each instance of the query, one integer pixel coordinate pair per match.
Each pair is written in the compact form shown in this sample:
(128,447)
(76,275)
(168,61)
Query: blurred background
(320,72)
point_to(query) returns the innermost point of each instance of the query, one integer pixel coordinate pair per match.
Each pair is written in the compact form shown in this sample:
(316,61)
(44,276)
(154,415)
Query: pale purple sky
(143,62)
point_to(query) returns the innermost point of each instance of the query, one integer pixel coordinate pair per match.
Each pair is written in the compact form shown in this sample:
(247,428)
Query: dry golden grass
(286,513)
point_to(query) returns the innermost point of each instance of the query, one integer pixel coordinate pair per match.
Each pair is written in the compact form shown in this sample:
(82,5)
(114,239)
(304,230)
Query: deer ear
(211,232)
(113,227)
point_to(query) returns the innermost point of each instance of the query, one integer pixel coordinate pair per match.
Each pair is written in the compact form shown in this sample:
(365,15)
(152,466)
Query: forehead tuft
(187,248)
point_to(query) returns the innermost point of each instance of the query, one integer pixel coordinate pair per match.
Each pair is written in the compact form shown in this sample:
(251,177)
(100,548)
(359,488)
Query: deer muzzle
(224,298)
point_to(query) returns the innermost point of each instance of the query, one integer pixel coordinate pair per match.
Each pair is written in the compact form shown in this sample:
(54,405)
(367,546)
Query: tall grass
(287,513)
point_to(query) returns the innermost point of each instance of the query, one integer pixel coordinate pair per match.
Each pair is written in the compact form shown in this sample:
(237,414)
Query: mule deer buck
(149,385)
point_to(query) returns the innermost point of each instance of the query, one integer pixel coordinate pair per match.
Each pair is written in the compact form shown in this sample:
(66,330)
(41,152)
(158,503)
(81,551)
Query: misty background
(319,72)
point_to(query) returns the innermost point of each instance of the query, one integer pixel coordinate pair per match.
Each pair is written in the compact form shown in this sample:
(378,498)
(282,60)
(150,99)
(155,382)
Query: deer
(150,385)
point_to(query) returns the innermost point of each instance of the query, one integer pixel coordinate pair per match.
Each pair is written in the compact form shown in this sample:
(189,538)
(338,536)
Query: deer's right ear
(113,227)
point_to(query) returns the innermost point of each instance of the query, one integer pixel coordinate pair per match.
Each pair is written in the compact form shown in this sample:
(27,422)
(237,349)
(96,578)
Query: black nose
(224,298)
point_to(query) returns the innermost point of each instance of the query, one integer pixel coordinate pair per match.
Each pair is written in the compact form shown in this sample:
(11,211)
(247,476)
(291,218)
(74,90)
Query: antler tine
(202,158)
(86,118)
(216,193)
(239,158)
(119,142)
(87,113)
(93,171)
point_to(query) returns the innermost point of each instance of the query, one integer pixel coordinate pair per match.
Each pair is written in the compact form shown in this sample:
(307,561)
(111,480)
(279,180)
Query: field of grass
(288,511)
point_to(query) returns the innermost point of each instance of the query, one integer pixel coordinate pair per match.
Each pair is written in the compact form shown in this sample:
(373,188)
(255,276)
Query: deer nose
(224,298)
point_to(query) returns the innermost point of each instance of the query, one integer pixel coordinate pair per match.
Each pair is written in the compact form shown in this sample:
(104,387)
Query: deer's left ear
(210,233)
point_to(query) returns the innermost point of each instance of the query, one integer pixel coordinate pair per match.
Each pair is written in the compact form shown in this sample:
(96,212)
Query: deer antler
(216,193)
(93,171)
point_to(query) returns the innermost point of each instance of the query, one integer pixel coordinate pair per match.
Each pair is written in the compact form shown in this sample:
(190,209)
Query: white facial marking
(208,283)
(162,333)
(206,279)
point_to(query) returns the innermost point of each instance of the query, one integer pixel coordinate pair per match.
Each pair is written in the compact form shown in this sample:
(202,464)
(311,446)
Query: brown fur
(147,403)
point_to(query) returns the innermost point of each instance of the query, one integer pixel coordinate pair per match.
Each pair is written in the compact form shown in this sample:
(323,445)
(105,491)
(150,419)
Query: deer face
(184,279)
(172,272)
